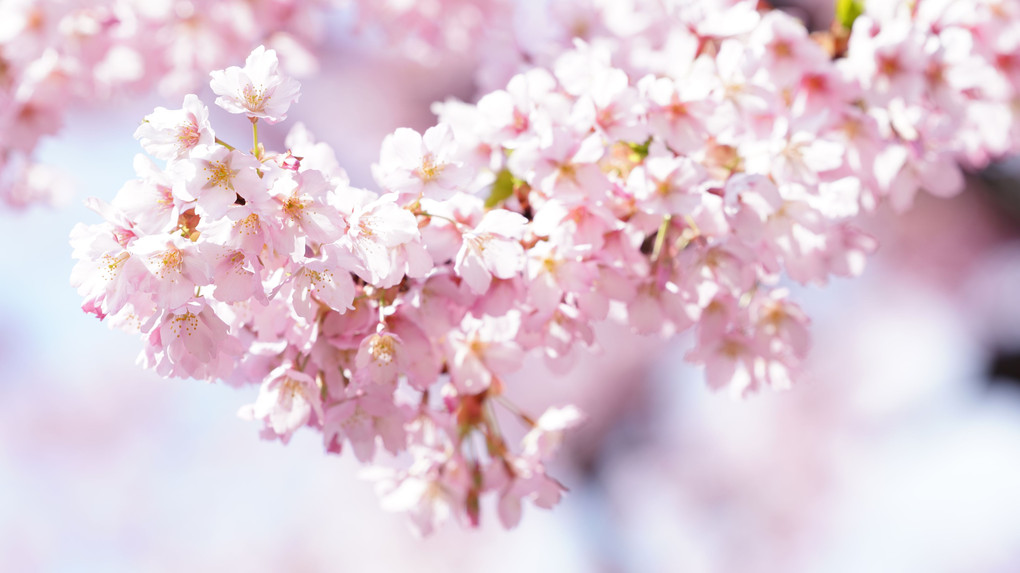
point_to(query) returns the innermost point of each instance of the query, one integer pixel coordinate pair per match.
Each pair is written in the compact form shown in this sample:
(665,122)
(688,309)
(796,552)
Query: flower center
(220,175)
(255,99)
(293,206)
(186,324)
(429,170)
(250,225)
(381,348)
(187,136)
(169,261)
(111,265)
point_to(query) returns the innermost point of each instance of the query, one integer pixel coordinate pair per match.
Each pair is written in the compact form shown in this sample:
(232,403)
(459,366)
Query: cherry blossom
(257,90)
(171,134)
(58,55)
(288,400)
(492,249)
(415,166)
(664,168)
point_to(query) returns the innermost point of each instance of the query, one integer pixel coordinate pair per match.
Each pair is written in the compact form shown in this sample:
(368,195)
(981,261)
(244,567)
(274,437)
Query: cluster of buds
(668,193)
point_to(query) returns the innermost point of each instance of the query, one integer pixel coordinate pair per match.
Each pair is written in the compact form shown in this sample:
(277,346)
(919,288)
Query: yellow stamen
(255,99)
(220,175)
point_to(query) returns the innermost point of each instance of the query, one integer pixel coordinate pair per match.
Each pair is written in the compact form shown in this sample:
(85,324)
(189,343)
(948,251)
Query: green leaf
(847,11)
(640,150)
(502,189)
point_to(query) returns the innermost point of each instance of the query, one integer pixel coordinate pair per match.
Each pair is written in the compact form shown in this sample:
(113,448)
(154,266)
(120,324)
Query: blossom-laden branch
(668,183)
(57,54)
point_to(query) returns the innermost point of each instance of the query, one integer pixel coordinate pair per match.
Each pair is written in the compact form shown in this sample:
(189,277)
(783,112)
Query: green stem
(255,137)
(660,237)
(225,144)
(444,217)
(513,409)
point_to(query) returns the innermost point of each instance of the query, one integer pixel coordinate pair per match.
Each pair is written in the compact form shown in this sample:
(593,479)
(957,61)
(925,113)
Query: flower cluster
(58,53)
(668,184)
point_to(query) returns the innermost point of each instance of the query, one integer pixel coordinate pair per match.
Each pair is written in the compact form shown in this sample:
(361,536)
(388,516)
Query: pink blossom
(301,200)
(677,111)
(666,184)
(482,351)
(492,249)
(171,134)
(566,334)
(566,167)
(257,90)
(381,358)
(542,441)
(887,59)
(432,491)
(583,227)
(214,177)
(415,166)
(148,201)
(420,361)
(322,282)
(554,270)
(522,111)
(288,400)
(191,342)
(516,480)
(238,277)
(176,266)
(787,51)
(364,419)
(782,323)
(106,275)
(730,362)
(901,170)
(377,227)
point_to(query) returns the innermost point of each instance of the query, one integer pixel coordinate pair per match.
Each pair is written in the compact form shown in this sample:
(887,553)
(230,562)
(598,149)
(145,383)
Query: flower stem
(660,237)
(456,223)
(513,409)
(255,138)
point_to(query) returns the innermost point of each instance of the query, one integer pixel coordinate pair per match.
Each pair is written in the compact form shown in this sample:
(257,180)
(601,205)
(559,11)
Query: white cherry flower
(256,90)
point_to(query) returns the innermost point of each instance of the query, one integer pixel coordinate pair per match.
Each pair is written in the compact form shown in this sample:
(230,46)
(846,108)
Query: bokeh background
(900,452)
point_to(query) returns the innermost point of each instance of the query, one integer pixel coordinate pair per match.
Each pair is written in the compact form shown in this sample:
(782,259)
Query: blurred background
(900,452)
